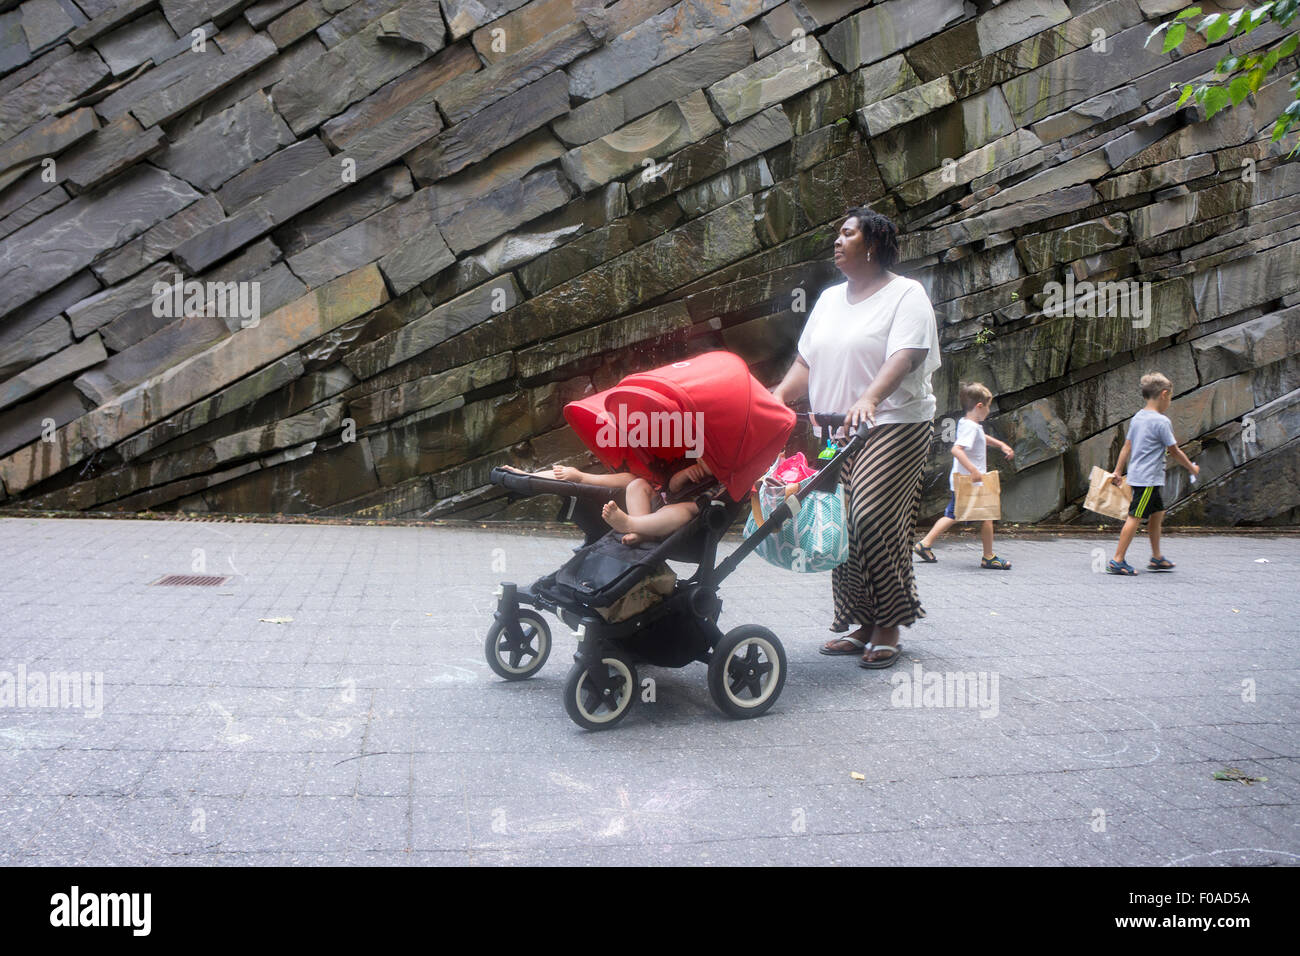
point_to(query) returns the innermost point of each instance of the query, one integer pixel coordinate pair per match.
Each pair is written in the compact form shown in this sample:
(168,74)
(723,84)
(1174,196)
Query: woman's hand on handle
(863,410)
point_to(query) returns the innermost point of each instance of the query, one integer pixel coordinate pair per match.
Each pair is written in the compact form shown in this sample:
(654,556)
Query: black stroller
(744,429)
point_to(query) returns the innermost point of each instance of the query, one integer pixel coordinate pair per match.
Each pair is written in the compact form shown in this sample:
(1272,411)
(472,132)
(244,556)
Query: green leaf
(1216,99)
(1187,95)
(1238,89)
(1215,27)
(1288,45)
(1156,32)
(1255,78)
(1174,37)
(1188,13)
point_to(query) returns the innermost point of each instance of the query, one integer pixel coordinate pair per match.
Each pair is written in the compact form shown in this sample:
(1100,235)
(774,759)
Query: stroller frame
(602,684)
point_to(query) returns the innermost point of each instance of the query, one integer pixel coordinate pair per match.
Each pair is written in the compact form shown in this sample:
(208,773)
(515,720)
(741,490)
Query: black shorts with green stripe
(1146,502)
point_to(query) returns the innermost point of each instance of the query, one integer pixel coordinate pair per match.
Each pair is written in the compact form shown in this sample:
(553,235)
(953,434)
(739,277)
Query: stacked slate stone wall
(460,215)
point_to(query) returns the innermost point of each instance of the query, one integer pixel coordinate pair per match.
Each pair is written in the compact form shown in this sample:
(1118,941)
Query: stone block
(771,80)
(40,255)
(47,138)
(62,364)
(228,143)
(655,41)
(502,123)
(1250,345)
(888,28)
(92,312)
(114,147)
(618,334)
(367,241)
(416,85)
(39,343)
(60,82)
(1035,493)
(275,170)
(349,72)
(27,421)
(131,44)
(1206,408)
(653,137)
(502,210)
(906,106)
(467,95)
(674,80)
(170,101)
(442,323)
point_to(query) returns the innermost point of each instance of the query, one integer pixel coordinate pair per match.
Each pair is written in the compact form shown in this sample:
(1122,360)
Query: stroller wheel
(747,671)
(597,697)
(518,655)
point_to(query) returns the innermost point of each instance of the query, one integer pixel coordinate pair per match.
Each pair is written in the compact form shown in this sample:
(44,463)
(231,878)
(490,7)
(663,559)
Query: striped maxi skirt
(882,495)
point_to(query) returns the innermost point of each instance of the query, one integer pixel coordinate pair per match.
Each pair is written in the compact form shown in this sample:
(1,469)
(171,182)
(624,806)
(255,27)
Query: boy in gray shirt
(1150,435)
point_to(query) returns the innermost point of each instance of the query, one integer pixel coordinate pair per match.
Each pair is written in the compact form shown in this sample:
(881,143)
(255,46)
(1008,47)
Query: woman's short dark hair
(878,232)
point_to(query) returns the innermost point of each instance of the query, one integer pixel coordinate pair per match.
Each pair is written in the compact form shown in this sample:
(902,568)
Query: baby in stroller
(651,515)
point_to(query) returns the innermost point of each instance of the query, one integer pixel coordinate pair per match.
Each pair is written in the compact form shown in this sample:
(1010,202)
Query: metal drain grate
(190,580)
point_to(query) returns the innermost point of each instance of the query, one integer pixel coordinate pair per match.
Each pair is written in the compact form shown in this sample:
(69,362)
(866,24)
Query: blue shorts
(951,510)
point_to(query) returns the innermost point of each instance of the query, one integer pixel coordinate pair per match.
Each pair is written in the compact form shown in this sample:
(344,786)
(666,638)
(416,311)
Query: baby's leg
(640,497)
(658,525)
(520,471)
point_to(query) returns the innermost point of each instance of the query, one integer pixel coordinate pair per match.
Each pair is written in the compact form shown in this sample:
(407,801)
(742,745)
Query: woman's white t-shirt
(846,344)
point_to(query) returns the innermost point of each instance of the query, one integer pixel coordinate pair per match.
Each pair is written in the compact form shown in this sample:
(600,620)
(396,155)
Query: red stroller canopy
(648,422)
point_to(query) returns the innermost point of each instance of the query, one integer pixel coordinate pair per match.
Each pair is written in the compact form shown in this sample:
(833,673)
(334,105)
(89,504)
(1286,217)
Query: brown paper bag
(982,502)
(1104,498)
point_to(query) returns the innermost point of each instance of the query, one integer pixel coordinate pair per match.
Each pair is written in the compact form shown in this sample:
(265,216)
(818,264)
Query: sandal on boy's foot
(1120,567)
(995,563)
(1160,564)
(855,647)
(889,661)
(924,553)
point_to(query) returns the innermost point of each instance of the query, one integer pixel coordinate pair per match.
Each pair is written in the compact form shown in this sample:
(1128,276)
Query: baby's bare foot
(632,538)
(615,517)
(567,473)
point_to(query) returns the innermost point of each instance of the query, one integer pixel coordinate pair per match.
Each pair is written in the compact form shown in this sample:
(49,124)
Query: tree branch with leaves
(1241,75)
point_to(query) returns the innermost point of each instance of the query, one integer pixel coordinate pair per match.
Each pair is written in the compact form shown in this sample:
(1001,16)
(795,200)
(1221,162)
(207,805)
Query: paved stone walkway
(368,729)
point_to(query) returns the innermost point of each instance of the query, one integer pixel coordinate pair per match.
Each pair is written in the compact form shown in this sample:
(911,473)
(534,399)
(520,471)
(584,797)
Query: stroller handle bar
(528,485)
(835,420)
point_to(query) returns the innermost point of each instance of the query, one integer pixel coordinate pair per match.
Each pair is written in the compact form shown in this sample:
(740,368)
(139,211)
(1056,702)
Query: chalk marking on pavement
(227,736)
(564,780)
(456,675)
(25,738)
(1104,735)
(336,729)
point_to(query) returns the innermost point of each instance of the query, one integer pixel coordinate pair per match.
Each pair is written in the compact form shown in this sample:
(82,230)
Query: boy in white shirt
(969,455)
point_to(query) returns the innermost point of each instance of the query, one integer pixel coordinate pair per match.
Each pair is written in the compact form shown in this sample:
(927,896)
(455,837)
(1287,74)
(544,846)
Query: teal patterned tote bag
(814,539)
